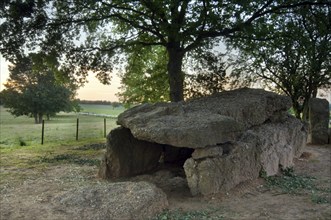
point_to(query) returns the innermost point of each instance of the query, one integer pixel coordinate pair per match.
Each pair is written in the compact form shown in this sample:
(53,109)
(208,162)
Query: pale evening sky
(94,90)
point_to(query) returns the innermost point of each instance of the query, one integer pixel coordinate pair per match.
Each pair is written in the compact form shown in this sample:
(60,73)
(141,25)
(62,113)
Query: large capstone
(226,138)
(205,121)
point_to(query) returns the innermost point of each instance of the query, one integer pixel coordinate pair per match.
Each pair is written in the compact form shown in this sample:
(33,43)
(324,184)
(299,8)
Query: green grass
(19,163)
(290,183)
(61,129)
(21,151)
(102,109)
(68,158)
(179,214)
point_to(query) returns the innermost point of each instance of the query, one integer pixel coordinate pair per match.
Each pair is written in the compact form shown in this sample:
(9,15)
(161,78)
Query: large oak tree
(295,60)
(94,35)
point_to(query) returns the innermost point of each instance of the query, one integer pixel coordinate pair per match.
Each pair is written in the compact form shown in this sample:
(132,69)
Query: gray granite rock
(205,121)
(318,121)
(264,148)
(224,139)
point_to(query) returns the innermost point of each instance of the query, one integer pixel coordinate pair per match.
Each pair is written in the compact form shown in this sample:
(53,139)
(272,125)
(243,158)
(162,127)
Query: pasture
(59,130)
(33,176)
(102,109)
(21,149)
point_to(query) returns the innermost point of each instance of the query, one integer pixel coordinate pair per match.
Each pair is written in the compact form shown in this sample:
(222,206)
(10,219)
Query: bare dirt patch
(31,196)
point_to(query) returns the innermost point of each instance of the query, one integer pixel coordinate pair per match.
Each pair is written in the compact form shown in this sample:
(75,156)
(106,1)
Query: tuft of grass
(92,147)
(179,214)
(291,183)
(319,199)
(288,171)
(69,158)
(21,142)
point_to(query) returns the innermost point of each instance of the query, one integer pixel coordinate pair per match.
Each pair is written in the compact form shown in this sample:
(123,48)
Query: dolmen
(220,140)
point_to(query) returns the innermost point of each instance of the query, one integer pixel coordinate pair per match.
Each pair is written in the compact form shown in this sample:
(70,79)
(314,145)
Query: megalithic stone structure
(220,141)
(318,121)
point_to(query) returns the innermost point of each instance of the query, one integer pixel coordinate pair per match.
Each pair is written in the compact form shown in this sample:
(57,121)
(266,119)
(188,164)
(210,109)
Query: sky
(94,90)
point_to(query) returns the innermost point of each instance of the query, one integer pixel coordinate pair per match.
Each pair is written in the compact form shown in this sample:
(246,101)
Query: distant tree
(295,60)
(112,27)
(116,104)
(32,90)
(74,106)
(97,102)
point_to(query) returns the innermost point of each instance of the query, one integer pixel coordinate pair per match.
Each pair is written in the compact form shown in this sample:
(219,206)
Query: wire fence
(78,129)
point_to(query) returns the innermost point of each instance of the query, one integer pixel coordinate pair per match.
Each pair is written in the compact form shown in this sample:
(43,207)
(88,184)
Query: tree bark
(297,109)
(35,115)
(305,111)
(176,76)
(40,117)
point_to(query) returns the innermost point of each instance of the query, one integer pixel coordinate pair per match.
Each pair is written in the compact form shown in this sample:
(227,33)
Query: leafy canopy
(93,35)
(295,60)
(145,77)
(32,90)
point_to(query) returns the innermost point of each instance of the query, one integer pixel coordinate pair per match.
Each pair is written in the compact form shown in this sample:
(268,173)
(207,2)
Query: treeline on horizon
(99,102)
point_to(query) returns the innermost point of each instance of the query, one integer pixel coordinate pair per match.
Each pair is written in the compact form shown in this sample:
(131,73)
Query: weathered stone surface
(318,121)
(277,144)
(225,139)
(122,200)
(128,156)
(206,121)
(217,174)
(267,147)
(210,151)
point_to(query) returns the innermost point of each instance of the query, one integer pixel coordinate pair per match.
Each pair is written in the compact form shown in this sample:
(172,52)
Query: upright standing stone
(224,139)
(318,121)
(128,156)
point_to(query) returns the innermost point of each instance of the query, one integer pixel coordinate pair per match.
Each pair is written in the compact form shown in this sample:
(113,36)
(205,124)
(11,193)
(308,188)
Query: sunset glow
(94,90)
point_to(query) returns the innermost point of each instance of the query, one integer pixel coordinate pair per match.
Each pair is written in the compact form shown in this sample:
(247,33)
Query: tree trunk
(314,93)
(305,111)
(176,76)
(35,115)
(297,111)
(40,117)
(297,108)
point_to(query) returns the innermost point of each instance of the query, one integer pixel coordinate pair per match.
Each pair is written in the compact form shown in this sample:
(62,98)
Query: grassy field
(102,109)
(59,130)
(33,176)
(21,149)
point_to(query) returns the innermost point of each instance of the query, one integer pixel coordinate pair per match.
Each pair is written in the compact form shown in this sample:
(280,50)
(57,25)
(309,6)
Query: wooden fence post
(42,131)
(77,125)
